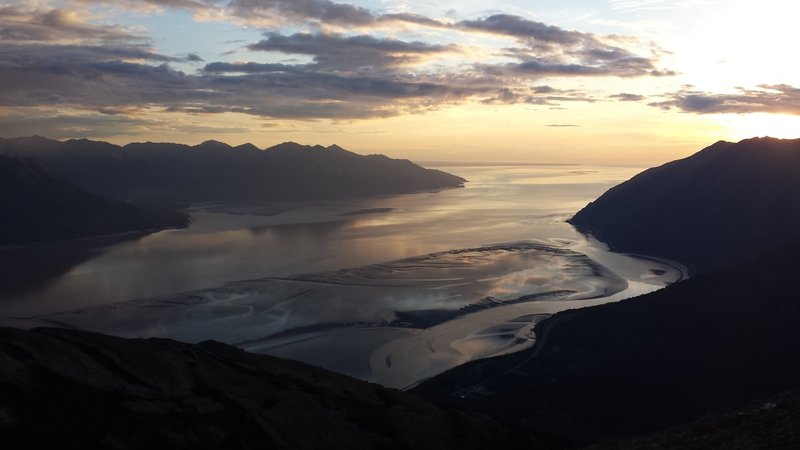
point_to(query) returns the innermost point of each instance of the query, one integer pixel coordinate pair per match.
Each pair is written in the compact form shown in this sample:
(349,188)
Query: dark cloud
(53,55)
(626,97)
(68,126)
(20,25)
(312,84)
(53,59)
(663,73)
(519,27)
(781,99)
(548,50)
(558,65)
(101,79)
(180,4)
(416,19)
(535,67)
(91,76)
(286,12)
(251,67)
(539,95)
(350,52)
(325,11)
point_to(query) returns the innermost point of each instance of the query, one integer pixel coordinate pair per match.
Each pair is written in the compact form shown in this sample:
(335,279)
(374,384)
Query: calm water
(499,204)
(391,290)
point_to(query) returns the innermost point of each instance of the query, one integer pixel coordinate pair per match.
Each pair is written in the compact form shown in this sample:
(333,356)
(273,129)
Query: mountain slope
(695,348)
(725,204)
(770,423)
(213,171)
(71,389)
(36,205)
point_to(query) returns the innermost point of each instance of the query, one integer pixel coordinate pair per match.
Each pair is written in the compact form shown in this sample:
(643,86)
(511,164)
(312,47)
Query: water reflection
(395,322)
(417,292)
(27,270)
(227,243)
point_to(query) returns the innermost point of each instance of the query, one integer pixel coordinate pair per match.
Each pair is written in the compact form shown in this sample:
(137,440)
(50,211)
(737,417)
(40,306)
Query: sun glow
(742,126)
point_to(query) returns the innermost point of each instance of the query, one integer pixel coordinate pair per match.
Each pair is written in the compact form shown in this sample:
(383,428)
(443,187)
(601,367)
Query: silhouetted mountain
(695,348)
(148,172)
(38,205)
(714,342)
(726,204)
(71,389)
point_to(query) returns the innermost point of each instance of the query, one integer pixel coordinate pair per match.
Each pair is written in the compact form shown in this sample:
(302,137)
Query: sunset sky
(634,82)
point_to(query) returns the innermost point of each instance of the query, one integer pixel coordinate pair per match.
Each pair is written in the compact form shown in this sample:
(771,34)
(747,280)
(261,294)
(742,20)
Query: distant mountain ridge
(215,171)
(725,204)
(37,204)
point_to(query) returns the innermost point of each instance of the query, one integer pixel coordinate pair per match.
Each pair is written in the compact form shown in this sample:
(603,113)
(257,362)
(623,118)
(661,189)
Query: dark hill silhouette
(213,171)
(723,205)
(722,339)
(693,349)
(769,423)
(71,389)
(37,205)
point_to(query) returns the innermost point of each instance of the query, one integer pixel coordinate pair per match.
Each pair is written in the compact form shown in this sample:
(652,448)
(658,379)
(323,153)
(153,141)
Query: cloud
(538,95)
(350,52)
(547,50)
(325,11)
(192,5)
(626,97)
(541,67)
(779,99)
(52,58)
(70,125)
(517,26)
(21,25)
(562,125)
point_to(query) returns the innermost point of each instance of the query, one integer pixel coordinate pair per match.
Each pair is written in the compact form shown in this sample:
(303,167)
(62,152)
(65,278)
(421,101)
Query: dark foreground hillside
(695,348)
(166,173)
(725,204)
(771,423)
(70,389)
(37,205)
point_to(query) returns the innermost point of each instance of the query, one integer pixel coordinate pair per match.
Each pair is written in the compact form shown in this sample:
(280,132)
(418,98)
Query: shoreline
(435,340)
(414,317)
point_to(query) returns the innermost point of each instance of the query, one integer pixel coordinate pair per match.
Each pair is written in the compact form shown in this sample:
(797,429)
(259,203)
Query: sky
(624,82)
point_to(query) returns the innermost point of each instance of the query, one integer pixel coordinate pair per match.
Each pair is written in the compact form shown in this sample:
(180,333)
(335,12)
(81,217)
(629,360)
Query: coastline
(445,323)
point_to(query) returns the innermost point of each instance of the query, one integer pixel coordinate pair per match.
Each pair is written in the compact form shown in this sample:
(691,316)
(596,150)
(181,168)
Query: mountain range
(55,190)
(708,362)
(166,173)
